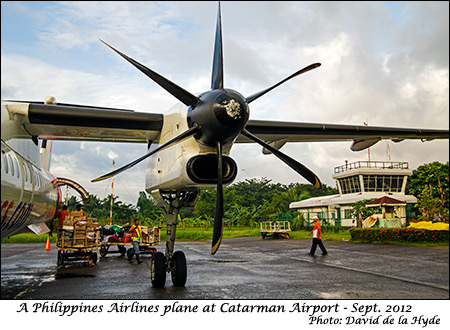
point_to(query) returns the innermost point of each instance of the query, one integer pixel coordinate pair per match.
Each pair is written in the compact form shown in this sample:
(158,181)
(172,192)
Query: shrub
(385,235)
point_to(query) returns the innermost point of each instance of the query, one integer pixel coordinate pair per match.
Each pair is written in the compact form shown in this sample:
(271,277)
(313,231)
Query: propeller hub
(221,113)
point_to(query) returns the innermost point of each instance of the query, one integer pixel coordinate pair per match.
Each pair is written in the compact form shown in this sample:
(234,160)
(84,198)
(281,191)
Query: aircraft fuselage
(30,195)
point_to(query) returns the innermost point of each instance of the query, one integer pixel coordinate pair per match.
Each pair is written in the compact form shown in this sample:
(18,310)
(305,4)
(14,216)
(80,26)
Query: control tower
(362,180)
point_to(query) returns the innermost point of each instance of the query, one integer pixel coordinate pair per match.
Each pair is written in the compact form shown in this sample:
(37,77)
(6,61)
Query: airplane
(188,148)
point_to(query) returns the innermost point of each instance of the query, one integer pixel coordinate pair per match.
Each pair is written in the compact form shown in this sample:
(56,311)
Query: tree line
(261,199)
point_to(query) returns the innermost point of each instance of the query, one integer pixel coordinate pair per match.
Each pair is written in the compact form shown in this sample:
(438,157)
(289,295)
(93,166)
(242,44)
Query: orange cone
(47,245)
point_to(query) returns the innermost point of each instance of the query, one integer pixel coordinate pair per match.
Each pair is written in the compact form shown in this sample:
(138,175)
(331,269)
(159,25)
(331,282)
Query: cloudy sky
(385,64)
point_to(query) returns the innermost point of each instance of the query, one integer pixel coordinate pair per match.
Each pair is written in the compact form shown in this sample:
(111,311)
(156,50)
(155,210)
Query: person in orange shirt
(317,238)
(62,214)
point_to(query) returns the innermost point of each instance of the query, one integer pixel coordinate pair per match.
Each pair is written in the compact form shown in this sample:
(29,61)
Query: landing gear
(179,269)
(158,270)
(174,263)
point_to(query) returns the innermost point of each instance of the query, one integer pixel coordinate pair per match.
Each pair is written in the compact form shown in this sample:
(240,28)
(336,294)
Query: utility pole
(112,189)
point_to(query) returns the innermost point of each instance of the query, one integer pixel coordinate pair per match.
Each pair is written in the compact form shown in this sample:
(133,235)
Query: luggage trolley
(150,238)
(275,229)
(78,242)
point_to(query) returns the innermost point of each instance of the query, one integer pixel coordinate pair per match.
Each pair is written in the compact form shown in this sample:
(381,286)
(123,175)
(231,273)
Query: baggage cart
(150,238)
(275,229)
(78,240)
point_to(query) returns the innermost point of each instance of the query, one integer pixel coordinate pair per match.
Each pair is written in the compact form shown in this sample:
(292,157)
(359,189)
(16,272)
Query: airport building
(363,180)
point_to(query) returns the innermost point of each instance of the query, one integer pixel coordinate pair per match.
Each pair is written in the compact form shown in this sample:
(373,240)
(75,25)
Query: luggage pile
(79,232)
(118,234)
(115,234)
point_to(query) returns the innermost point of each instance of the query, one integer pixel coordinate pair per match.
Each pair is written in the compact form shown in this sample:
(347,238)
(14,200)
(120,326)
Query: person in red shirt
(317,238)
(62,214)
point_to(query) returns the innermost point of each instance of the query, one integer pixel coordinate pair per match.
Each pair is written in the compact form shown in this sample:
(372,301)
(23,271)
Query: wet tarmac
(244,268)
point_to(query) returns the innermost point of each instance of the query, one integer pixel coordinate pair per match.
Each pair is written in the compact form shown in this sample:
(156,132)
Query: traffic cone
(47,245)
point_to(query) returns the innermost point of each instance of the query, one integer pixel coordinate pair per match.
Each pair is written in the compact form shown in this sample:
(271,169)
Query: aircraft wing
(85,123)
(362,136)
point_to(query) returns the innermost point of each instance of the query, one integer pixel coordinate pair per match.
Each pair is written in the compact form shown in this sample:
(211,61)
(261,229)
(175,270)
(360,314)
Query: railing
(275,226)
(371,164)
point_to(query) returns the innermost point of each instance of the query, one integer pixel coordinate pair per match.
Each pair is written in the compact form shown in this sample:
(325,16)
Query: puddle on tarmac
(226,261)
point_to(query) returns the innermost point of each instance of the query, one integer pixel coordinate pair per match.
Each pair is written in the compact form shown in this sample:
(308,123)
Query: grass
(200,234)
(28,238)
(190,234)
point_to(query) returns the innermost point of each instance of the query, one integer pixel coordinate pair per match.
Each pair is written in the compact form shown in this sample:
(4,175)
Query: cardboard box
(79,242)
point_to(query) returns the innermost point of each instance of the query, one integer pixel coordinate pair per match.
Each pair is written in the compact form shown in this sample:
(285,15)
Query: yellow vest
(136,232)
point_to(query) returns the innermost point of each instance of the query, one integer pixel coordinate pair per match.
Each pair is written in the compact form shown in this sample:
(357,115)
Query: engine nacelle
(178,169)
(202,169)
(188,163)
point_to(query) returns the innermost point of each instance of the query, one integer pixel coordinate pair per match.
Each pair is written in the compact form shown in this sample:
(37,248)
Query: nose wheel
(158,271)
(178,269)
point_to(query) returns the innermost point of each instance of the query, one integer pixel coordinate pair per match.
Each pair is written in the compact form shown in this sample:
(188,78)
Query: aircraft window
(4,162)
(25,171)
(11,165)
(16,166)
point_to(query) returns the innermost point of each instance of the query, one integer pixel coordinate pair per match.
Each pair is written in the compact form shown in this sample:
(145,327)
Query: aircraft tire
(158,270)
(179,272)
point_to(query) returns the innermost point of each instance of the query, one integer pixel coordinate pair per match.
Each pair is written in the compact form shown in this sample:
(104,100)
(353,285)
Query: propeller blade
(218,216)
(217,70)
(296,166)
(261,93)
(193,130)
(181,94)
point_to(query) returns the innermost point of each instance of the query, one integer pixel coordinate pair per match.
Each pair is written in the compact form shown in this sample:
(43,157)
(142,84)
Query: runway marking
(17,296)
(432,285)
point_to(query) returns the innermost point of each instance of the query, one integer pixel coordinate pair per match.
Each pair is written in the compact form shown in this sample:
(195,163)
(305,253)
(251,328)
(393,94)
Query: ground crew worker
(79,213)
(62,214)
(136,234)
(317,238)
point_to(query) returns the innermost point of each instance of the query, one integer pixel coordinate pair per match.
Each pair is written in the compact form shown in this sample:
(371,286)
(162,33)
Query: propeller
(217,70)
(299,72)
(216,118)
(218,215)
(180,93)
(292,163)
